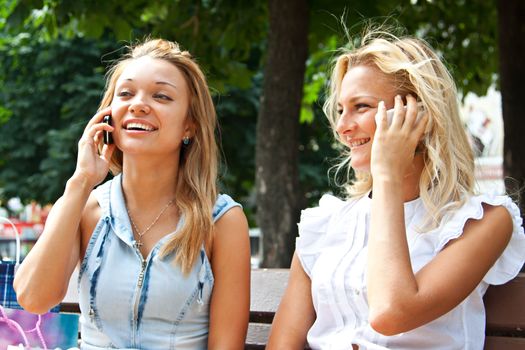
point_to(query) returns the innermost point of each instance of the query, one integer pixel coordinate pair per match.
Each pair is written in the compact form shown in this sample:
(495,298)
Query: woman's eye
(361,106)
(163,97)
(123,93)
(339,111)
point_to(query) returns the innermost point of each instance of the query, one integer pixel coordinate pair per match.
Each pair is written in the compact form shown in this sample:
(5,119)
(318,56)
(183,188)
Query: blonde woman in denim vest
(403,262)
(164,259)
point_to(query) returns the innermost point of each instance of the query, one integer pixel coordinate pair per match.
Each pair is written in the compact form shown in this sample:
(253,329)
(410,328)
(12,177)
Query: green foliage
(237,114)
(226,33)
(465,32)
(49,90)
(317,150)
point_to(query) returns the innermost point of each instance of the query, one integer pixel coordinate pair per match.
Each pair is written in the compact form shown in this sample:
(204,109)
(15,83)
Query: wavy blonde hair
(448,174)
(197,183)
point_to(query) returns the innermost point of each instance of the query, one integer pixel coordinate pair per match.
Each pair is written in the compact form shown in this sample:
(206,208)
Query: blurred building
(483,120)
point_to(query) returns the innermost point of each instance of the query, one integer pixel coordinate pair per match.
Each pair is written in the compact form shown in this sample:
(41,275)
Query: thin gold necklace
(137,231)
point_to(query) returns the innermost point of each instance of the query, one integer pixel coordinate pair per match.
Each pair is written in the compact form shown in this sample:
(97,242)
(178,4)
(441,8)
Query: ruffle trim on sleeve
(511,260)
(312,230)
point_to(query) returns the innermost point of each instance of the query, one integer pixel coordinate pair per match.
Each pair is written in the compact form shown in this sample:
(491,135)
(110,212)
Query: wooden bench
(505,306)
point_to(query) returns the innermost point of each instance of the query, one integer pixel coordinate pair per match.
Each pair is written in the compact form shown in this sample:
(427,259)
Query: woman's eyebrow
(166,83)
(354,98)
(161,82)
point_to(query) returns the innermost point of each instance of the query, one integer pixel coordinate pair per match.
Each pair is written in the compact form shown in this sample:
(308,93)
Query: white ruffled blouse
(332,248)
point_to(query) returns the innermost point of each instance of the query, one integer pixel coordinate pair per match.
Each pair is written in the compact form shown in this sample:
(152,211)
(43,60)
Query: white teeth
(355,143)
(139,126)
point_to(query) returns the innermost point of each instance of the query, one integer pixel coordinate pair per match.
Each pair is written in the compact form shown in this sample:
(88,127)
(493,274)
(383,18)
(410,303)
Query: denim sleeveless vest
(128,302)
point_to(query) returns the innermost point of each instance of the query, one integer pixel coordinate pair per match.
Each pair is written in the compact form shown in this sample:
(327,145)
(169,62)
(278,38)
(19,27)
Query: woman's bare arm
(230,302)
(296,313)
(41,281)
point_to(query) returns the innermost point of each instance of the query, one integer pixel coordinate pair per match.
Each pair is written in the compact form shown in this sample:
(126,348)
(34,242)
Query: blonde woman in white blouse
(404,261)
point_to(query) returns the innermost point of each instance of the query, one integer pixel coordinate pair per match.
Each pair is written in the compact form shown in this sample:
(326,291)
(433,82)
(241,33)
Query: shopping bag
(7,275)
(21,328)
(48,331)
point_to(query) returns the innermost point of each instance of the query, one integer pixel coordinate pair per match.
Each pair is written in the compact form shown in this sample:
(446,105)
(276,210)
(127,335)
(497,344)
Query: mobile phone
(420,113)
(108,138)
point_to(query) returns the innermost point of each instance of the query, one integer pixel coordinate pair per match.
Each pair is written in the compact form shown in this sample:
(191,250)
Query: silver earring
(186,140)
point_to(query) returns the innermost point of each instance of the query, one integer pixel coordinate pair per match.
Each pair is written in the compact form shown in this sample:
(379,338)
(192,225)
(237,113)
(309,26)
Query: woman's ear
(189,128)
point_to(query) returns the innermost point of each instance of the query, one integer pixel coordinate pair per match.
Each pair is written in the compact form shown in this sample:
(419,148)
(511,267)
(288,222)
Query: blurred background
(267,63)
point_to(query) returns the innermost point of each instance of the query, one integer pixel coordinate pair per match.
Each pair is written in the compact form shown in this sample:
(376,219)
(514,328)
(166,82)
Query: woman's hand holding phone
(420,113)
(395,140)
(92,164)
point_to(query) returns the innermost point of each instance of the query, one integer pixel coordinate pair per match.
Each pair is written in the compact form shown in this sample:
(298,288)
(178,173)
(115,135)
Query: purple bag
(48,331)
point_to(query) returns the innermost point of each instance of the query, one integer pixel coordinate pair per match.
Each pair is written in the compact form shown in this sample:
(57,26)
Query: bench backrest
(267,288)
(505,308)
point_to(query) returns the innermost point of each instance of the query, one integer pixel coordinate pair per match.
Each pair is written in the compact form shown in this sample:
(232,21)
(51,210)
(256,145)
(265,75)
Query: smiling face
(150,107)
(362,88)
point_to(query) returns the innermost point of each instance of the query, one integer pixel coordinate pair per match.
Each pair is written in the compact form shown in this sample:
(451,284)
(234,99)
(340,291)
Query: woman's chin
(360,165)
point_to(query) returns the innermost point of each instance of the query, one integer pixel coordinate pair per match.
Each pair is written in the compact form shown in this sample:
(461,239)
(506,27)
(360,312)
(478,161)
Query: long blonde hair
(196,185)
(448,174)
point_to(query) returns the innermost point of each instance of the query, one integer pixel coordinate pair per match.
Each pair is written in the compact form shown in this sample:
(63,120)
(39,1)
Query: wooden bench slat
(70,308)
(268,287)
(505,306)
(257,336)
(265,296)
(504,343)
(261,317)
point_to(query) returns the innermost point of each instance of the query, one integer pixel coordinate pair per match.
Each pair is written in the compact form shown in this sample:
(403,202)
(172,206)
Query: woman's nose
(345,124)
(138,106)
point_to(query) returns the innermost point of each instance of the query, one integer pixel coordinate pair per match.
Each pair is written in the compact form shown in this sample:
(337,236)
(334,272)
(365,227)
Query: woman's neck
(149,180)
